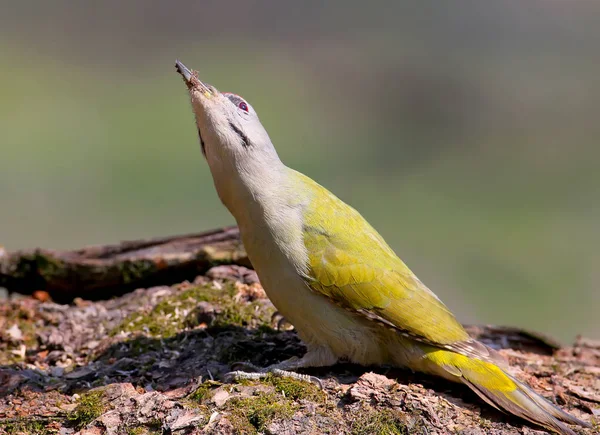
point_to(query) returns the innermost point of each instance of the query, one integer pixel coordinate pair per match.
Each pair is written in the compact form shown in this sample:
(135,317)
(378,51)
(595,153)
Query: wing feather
(350,263)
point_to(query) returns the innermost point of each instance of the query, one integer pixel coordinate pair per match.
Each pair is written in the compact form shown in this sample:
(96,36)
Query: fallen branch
(104,271)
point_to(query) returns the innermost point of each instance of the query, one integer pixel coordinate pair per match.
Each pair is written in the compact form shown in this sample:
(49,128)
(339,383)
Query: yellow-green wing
(350,263)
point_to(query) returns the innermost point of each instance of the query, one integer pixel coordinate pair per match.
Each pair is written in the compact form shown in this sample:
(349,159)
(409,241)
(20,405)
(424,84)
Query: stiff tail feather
(504,392)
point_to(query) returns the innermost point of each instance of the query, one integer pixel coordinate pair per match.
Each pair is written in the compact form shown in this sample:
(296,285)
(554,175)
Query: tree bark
(156,360)
(105,271)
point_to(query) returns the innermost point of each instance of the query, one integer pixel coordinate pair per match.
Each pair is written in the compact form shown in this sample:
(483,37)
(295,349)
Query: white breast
(268,208)
(274,242)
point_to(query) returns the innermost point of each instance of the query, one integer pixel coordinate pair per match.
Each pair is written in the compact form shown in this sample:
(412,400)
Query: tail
(501,390)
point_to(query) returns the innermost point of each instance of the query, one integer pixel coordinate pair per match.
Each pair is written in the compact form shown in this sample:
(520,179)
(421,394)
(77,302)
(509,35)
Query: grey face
(244,113)
(228,126)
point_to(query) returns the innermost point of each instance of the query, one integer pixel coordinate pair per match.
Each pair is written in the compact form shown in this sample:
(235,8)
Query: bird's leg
(314,357)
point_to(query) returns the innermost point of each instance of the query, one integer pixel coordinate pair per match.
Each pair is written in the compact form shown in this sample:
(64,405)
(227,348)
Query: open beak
(192,81)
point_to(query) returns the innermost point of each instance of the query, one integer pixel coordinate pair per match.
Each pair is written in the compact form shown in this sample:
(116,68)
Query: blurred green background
(466,132)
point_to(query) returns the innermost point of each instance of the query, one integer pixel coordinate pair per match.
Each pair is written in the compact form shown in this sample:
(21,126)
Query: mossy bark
(154,360)
(104,271)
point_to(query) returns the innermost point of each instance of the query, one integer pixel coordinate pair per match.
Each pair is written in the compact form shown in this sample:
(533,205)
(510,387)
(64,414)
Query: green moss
(163,319)
(484,423)
(132,271)
(152,428)
(203,391)
(168,318)
(39,264)
(373,421)
(49,267)
(89,407)
(236,314)
(296,390)
(25,426)
(25,320)
(252,415)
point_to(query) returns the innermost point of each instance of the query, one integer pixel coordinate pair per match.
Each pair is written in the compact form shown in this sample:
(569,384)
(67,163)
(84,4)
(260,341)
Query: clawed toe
(298,376)
(257,373)
(238,375)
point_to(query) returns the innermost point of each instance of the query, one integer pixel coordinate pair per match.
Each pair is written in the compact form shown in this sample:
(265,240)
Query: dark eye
(243,106)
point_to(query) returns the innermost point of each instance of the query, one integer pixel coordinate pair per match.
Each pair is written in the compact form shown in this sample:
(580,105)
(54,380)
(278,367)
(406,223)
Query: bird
(330,273)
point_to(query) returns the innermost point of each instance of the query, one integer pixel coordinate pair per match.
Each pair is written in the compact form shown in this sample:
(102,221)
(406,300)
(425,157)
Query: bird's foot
(238,375)
(314,357)
(251,372)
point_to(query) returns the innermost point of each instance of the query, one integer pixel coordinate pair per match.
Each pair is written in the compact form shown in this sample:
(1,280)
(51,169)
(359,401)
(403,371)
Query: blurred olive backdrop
(466,132)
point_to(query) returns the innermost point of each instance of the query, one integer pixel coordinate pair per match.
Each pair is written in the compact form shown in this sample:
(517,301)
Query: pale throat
(246,184)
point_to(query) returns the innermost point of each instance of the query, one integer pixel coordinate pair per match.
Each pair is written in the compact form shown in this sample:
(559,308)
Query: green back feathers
(350,263)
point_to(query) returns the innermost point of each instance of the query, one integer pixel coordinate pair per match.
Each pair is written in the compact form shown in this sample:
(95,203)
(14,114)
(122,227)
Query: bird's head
(239,152)
(228,126)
